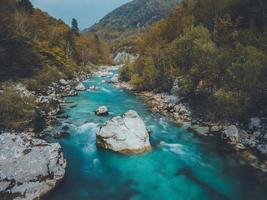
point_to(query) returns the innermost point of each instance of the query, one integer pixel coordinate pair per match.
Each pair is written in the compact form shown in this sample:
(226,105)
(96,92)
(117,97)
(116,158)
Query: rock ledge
(29,168)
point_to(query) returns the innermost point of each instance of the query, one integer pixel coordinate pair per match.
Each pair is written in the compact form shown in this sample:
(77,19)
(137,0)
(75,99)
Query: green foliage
(145,77)
(39,50)
(226,106)
(124,20)
(26,5)
(218,59)
(74,26)
(90,49)
(31,40)
(43,79)
(16,111)
(125,72)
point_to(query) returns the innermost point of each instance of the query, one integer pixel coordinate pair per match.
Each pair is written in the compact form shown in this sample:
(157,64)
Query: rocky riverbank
(29,167)
(249,142)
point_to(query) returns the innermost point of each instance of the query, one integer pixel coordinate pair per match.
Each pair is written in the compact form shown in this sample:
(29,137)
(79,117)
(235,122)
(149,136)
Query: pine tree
(74,26)
(26,5)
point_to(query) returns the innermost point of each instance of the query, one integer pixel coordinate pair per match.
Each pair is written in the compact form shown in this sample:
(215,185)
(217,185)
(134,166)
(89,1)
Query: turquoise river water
(181,166)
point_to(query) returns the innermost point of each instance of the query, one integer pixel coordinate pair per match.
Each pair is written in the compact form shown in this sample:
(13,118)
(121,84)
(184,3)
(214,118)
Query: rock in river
(101,111)
(126,134)
(63,82)
(29,168)
(80,87)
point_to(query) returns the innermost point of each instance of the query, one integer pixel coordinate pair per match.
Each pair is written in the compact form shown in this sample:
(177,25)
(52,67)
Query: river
(180,166)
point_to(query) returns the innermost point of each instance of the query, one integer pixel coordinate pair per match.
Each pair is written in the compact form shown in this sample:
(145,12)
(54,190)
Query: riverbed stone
(125,134)
(215,128)
(101,111)
(199,130)
(255,123)
(262,149)
(80,87)
(114,79)
(230,133)
(247,139)
(29,168)
(63,82)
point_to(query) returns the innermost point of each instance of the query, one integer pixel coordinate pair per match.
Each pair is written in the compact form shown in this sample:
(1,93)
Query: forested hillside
(215,50)
(131,17)
(32,40)
(38,50)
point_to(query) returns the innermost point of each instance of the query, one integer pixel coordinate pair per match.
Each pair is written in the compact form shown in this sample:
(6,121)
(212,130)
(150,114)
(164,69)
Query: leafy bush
(17,111)
(43,79)
(218,59)
(125,72)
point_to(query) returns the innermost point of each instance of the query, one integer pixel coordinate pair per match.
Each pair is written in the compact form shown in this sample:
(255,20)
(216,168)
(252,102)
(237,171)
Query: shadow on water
(214,194)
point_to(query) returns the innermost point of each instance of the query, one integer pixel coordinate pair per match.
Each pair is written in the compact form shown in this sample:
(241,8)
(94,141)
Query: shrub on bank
(17,111)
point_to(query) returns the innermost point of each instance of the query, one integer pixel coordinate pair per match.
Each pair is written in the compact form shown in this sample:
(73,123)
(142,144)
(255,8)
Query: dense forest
(215,51)
(37,50)
(122,26)
(31,40)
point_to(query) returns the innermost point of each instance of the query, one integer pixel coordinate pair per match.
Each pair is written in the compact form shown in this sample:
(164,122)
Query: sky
(87,12)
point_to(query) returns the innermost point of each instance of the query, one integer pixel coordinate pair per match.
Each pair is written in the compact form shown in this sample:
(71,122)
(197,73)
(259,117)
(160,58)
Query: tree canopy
(215,50)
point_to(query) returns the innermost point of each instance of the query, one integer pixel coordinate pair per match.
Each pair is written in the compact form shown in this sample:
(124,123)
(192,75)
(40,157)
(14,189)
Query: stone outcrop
(126,134)
(122,57)
(29,168)
(230,133)
(80,87)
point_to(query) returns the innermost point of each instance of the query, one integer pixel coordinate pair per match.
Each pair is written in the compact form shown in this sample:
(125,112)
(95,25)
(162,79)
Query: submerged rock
(93,88)
(101,111)
(126,134)
(29,168)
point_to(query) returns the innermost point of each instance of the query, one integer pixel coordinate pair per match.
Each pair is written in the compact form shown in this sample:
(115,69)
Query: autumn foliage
(30,40)
(215,50)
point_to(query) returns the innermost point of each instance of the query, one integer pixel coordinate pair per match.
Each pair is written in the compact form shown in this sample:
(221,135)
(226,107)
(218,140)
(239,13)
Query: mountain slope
(132,16)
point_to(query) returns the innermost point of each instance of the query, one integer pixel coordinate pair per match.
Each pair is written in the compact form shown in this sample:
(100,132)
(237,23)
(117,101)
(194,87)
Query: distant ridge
(132,16)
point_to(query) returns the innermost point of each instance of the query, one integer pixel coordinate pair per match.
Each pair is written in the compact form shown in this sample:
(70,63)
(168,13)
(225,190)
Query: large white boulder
(126,134)
(29,168)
